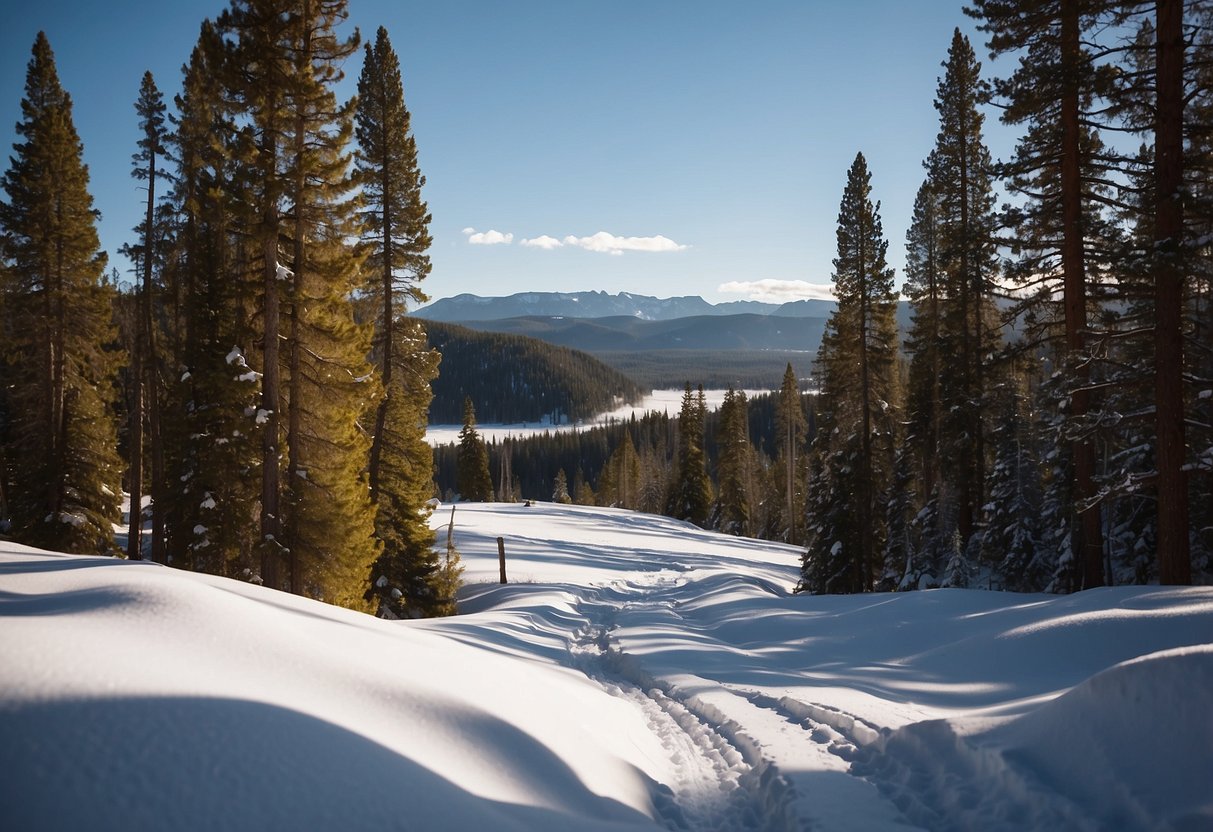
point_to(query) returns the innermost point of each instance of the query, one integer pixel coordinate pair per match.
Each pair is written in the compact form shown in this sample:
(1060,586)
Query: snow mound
(636,673)
(1129,748)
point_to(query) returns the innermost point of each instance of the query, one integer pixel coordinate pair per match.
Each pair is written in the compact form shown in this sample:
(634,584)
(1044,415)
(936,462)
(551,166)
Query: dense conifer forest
(1045,422)
(714,369)
(512,379)
(269,391)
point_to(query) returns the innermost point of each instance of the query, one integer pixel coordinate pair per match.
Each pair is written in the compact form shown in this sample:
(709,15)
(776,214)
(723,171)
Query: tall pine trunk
(387,347)
(866,515)
(271,520)
(134,549)
(1087,538)
(1174,563)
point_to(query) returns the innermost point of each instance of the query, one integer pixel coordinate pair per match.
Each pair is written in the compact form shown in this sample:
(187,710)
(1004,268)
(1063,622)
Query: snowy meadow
(636,673)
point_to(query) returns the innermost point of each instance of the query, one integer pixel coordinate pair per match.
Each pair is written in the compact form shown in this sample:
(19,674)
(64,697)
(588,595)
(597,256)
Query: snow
(668,401)
(636,673)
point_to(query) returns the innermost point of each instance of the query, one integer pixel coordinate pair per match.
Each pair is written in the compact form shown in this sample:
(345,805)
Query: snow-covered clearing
(668,401)
(637,673)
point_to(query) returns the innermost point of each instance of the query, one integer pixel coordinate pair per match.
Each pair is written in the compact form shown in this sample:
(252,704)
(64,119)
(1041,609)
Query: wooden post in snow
(501,557)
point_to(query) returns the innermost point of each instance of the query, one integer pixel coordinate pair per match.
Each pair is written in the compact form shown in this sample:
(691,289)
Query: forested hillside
(512,378)
(631,464)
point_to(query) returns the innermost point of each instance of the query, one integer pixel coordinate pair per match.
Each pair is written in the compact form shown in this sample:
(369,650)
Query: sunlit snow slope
(635,673)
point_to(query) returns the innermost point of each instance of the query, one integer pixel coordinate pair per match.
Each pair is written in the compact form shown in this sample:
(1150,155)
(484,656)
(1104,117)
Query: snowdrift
(636,673)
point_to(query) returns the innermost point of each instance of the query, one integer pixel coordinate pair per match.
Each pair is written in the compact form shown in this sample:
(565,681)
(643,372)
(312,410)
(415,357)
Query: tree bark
(134,548)
(1174,561)
(1087,535)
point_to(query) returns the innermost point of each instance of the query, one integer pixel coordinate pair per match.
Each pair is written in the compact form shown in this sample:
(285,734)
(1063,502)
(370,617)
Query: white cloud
(610,244)
(603,242)
(779,291)
(544,242)
(488,238)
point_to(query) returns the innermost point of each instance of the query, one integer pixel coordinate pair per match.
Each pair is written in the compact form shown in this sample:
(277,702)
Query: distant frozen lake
(669,401)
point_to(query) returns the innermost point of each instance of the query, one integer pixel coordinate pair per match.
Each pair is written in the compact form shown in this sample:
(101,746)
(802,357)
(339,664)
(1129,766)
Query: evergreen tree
(145,370)
(474,482)
(560,488)
(65,473)
(790,428)
(734,470)
(857,380)
(690,496)
(1060,168)
(903,566)
(1169,273)
(925,288)
(283,61)
(406,581)
(214,418)
(1011,539)
(960,171)
(583,494)
(621,478)
(448,579)
(395,218)
(654,478)
(257,74)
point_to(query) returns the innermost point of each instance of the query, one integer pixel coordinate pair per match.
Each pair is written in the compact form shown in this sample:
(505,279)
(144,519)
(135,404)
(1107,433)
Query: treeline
(1077,451)
(270,392)
(513,378)
(637,463)
(714,369)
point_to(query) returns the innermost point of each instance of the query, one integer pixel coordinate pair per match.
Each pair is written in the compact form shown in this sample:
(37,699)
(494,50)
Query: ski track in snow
(637,673)
(720,784)
(725,780)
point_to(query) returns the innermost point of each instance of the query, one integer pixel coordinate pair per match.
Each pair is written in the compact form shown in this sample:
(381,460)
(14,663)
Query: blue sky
(662,148)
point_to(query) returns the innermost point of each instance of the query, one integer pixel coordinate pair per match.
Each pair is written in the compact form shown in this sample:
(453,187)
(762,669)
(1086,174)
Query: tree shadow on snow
(186,763)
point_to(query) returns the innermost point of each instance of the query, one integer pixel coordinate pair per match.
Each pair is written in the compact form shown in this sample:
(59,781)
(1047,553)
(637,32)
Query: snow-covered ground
(669,401)
(637,673)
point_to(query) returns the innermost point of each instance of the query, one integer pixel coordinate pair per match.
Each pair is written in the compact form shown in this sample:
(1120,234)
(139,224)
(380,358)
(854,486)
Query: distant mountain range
(468,308)
(659,341)
(717,333)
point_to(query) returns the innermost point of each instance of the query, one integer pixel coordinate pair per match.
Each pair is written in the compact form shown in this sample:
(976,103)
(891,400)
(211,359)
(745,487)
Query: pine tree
(405,581)
(65,473)
(1011,539)
(448,579)
(620,482)
(145,364)
(395,230)
(1060,167)
(960,171)
(925,288)
(395,217)
(283,61)
(790,429)
(690,496)
(214,418)
(1168,271)
(474,482)
(734,469)
(856,371)
(560,488)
